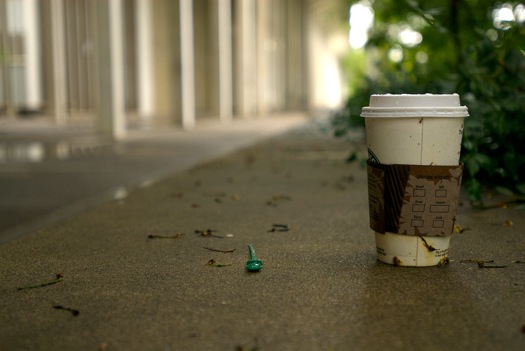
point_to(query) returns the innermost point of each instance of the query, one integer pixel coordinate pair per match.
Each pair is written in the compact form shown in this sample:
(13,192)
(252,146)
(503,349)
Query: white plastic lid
(414,105)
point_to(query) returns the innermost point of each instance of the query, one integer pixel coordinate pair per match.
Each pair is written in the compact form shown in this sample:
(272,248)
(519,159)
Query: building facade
(117,64)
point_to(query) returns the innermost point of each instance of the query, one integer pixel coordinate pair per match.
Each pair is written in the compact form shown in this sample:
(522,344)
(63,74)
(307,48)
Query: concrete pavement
(48,173)
(137,273)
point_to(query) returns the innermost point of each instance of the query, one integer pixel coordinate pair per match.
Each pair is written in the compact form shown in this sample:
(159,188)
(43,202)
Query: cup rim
(414,105)
(397,112)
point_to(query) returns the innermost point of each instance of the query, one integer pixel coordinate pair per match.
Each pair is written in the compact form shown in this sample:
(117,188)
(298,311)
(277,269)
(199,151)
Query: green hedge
(469,55)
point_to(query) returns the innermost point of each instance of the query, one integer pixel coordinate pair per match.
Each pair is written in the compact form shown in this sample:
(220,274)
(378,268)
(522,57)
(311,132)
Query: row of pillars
(249,72)
(110,49)
(257,74)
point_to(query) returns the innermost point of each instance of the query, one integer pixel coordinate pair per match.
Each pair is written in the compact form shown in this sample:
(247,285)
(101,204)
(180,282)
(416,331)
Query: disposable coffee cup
(415,130)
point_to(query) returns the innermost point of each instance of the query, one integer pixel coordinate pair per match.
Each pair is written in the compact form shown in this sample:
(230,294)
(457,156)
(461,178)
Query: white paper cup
(415,130)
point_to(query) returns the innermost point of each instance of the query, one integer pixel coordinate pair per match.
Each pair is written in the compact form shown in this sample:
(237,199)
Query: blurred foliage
(462,51)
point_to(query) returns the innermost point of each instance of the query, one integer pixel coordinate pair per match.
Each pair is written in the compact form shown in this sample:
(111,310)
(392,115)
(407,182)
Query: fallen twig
(279,228)
(73,311)
(58,279)
(484,264)
(218,250)
(176,236)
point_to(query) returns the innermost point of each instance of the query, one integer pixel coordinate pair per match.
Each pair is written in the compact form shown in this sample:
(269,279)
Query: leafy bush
(465,49)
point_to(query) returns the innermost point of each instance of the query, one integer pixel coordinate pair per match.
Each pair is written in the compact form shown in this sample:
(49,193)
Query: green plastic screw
(253,264)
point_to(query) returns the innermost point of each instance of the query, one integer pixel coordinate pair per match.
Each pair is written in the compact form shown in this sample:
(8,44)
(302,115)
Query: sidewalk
(123,287)
(48,173)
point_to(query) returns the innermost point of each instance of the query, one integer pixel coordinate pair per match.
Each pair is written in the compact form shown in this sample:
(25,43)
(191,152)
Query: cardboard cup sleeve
(413,199)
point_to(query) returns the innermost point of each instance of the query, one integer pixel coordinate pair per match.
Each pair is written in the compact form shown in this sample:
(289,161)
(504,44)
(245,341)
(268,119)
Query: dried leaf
(459,229)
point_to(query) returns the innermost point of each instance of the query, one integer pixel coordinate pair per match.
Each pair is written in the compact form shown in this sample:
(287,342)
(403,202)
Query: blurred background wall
(120,64)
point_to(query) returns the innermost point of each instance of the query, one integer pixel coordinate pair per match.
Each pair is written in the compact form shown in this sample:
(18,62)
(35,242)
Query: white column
(111,68)
(145,61)
(247,58)
(187,63)
(225,61)
(295,56)
(263,48)
(58,61)
(33,57)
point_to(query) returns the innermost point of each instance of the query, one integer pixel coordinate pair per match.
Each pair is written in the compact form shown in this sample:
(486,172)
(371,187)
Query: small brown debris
(444,262)
(279,228)
(208,233)
(430,248)
(213,263)
(458,229)
(471,260)
(176,236)
(255,347)
(397,261)
(349,178)
(280,197)
(219,250)
(340,186)
(249,159)
(277,198)
(483,264)
(508,223)
(71,310)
